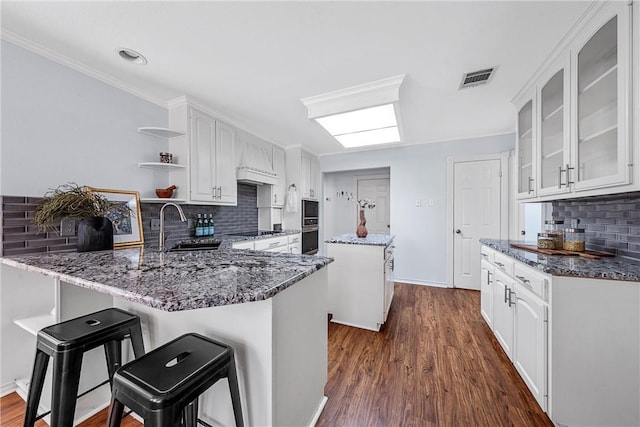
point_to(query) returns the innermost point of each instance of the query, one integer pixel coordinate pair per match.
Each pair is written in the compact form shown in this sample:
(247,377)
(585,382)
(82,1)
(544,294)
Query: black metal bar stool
(163,385)
(66,343)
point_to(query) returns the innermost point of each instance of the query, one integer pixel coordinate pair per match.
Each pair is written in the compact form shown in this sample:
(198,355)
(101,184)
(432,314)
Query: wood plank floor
(435,363)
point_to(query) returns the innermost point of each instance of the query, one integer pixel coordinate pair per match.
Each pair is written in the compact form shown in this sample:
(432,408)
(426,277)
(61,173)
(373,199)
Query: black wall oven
(310,227)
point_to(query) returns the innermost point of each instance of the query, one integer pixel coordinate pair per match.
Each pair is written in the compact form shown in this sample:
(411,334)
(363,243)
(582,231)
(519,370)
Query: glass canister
(574,239)
(555,226)
(547,240)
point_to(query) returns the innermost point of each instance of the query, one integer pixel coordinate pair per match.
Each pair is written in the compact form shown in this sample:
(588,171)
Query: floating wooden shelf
(160,166)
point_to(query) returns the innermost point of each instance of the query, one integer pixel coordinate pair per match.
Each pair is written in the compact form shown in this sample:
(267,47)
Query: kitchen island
(270,307)
(361,280)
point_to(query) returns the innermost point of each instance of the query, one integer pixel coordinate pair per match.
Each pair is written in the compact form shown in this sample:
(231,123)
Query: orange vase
(361,231)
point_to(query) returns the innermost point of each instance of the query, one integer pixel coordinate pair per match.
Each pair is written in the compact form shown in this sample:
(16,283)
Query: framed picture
(127,227)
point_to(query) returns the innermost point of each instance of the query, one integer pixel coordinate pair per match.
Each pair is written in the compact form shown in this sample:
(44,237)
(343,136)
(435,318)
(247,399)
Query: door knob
(458,231)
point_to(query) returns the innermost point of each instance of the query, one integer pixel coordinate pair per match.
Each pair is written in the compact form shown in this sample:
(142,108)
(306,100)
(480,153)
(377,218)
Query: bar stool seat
(163,385)
(66,343)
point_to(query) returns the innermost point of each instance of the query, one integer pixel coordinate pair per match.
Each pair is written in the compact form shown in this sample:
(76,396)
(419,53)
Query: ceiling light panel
(371,137)
(360,120)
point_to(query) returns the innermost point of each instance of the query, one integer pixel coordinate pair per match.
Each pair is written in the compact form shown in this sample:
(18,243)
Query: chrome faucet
(182,218)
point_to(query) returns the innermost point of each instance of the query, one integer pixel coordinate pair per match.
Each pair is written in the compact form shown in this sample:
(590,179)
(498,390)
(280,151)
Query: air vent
(477,78)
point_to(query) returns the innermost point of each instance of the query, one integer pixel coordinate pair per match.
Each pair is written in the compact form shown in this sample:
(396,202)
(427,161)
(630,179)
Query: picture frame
(127,229)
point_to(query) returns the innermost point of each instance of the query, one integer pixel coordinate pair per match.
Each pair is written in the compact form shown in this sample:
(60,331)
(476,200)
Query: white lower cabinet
(530,342)
(574,341)
(284,244)
(502,312)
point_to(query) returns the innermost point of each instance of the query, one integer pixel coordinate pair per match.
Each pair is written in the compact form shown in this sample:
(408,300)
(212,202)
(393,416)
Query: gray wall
(59,126)
(418,172)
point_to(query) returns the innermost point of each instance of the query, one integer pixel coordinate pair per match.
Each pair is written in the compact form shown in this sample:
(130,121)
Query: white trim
(420,283)
(504,201)
(77,66)
(404,144)
(8,388)
(318,412)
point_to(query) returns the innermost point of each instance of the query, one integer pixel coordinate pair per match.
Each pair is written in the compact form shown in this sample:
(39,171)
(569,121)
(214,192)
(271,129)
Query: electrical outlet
(68,227)
(431,203)
(155,224)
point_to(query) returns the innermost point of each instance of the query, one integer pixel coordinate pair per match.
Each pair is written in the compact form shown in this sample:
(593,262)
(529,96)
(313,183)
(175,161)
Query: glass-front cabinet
(574,119)
(526,153)
(602,97)
(554,141)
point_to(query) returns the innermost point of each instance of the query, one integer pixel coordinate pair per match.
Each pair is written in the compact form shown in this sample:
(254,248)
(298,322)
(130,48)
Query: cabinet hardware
(530,190)
(560,170)
(499,264)
(506,290)
(511,302)
(485,256)
(568,178)
(523,279)
(213,192)
(488,278)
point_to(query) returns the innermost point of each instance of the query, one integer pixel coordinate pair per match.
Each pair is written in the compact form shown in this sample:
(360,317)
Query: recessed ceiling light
(131,55)
(362,115)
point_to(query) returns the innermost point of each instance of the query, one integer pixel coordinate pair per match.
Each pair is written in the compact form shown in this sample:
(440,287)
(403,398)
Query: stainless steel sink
(196,246)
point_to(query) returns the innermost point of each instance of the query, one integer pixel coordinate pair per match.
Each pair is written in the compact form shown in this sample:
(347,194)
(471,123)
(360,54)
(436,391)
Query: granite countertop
(176,281)
(611,268)
(371,239)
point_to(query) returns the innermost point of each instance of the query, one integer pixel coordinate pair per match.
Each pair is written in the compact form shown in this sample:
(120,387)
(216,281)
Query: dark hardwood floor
(435,363)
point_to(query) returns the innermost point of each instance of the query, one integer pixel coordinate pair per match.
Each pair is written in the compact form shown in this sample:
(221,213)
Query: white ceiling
(254,61)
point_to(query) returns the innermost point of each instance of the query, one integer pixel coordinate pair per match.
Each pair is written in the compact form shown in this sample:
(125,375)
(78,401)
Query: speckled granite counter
(176,281)
(371,239)
(612,268)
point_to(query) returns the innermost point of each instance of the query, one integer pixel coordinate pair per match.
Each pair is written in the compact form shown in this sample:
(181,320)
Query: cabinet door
(525,148)
(502,312)
(530,343)
(601,58)
(389,285)
(486,292)
(553,155)
(202,156)
(279,167)
(313,177)
(225,172)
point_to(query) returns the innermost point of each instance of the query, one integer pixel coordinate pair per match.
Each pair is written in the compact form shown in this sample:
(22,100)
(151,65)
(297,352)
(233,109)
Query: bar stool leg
(232,377)
(66,374)
(135,333)
(115,413)
(190,414)
(113,354)
(35,388)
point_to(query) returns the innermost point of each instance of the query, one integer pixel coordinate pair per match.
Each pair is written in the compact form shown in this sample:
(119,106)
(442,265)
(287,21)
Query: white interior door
(476,214)
(378,217)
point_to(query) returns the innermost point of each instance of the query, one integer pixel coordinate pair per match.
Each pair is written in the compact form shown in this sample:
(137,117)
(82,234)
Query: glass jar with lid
(548,240)
(574,239)
(555,226)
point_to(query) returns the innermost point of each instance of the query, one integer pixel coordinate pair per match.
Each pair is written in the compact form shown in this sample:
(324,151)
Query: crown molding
(77,66)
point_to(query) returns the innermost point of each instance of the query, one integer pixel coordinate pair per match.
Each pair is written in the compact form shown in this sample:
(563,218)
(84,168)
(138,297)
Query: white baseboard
(7,388)
(421,283)
(318,411)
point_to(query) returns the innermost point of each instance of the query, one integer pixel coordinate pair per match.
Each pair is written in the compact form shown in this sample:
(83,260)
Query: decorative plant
(366,204)
(72,201)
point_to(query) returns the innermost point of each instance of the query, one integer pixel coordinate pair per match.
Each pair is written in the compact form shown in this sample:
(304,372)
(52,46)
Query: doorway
(477,208)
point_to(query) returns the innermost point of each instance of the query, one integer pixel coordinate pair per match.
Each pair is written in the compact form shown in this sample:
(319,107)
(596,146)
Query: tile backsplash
(611,223)
(20,236)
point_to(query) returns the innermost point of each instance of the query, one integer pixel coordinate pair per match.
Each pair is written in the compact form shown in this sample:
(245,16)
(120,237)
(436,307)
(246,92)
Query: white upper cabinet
(553,129)
(574,122)
(601,96)
(525,148)
(210,148)
(273,196)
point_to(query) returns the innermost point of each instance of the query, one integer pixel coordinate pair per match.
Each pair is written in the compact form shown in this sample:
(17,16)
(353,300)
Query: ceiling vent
(477,78)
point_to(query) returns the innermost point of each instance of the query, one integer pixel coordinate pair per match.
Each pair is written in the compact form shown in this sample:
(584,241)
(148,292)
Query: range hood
(255,166)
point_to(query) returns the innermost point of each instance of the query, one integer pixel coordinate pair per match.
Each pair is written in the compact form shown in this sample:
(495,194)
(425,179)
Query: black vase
(95,234)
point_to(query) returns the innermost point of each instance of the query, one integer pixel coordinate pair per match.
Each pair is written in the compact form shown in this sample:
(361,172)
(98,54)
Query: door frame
(503,157)
(366,177)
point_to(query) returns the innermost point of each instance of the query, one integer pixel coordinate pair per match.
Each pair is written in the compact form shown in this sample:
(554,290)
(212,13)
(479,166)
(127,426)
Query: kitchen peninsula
(270,307)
